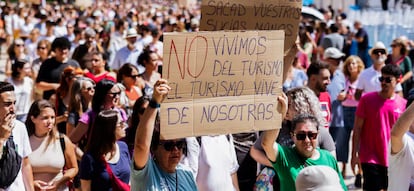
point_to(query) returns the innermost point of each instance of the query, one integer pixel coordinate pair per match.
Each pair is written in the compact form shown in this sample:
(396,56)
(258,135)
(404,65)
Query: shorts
(375,176)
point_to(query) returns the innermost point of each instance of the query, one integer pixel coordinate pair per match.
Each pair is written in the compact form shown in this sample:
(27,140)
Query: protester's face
(97,62)
(378,56)
(42,51)
(45,121)
(112,97)
(152,63)
(7,104)
(323,80)
(120,128)
(19,48)
(131,79)
(305,147)
(88,90)
(388,82)
(27,69)
(169,159)
(352,67)
(132,40)
(61,54)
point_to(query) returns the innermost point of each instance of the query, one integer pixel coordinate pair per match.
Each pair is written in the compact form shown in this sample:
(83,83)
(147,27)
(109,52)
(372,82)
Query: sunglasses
(133,76)
(19,45)
(41,48)
(302,135)
(385,79)
(378,51)
(169,145)
(393,45)
(114,94)
(90,88)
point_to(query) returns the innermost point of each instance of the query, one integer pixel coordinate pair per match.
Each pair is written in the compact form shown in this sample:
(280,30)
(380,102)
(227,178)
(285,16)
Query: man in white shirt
(369,78)
(129,53)
(401,159)
(10,126)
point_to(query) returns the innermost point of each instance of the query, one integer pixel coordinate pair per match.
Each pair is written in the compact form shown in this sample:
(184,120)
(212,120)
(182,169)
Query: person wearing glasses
(133,83)
(368,80)
(102,150)
(15,51)
(376,113)
(155,163)
(106,97)
(96,67)
(289,161)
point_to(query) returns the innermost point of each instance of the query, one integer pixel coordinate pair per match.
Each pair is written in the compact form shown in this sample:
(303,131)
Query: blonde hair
(348,61)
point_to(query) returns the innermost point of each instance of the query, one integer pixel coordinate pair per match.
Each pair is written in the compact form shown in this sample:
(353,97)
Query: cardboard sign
(222,82)
(255,15)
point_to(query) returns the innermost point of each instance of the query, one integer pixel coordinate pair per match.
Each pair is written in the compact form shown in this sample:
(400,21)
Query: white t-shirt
(21,140)
(369,82)
(216,162)
(401,166)
(23,92)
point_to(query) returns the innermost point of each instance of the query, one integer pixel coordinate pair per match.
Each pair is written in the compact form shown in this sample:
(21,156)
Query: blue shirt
(334,88)
(152,178)
(95,170)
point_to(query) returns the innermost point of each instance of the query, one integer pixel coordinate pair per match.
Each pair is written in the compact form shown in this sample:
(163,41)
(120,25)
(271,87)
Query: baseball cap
(333,52)
(318,178)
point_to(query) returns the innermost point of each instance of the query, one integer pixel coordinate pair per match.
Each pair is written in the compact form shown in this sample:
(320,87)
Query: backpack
(10,164)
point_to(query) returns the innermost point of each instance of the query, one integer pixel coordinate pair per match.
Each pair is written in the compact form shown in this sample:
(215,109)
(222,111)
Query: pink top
(379,116)
(350,89)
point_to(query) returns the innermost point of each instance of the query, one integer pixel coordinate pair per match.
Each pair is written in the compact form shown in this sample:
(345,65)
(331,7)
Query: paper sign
(255,15)
(222,82)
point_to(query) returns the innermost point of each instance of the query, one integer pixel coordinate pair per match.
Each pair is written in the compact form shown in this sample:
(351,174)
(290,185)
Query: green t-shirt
(288,165)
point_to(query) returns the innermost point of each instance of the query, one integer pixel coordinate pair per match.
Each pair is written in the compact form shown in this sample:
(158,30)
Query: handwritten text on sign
(222,82)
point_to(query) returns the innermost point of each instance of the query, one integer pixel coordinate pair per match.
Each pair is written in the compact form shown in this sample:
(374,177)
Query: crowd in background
(87,83)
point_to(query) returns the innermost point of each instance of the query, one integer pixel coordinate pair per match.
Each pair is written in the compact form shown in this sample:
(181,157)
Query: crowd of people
(79,108)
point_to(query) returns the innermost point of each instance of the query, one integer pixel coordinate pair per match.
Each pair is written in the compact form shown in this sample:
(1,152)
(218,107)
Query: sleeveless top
(47,162)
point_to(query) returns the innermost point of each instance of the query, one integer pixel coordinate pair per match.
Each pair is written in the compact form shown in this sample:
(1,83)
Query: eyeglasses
(385,79)
(378,51)
(302,135)
(41,48)
(114,94)
(169,145)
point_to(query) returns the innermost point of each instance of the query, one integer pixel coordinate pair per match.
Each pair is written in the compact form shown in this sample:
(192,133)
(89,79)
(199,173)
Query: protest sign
(255,15)
(222,82)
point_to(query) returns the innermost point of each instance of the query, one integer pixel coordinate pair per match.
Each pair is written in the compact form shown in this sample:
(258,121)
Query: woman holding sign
(159,171)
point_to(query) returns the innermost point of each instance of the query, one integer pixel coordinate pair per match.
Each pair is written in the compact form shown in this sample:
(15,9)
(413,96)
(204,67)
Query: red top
(96,79)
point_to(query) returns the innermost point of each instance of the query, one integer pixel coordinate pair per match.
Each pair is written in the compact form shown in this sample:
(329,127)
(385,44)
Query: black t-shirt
(364,44)
(50,72)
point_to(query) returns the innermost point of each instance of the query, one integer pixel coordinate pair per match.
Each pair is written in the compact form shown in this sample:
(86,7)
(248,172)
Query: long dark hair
(102,137)
(18,64)
(102,88)
(35,109)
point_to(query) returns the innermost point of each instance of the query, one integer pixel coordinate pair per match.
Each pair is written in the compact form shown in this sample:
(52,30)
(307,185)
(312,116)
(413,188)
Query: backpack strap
(62,144)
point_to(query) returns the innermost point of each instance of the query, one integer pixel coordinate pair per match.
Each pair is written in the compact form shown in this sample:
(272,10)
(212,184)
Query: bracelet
(153,104)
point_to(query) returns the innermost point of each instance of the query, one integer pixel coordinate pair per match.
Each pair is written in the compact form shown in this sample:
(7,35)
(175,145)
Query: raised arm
(269,137)
(145,128)
(399,129)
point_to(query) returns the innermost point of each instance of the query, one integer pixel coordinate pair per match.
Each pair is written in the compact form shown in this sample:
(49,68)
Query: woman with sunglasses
(399,57)
(95,65)
(289,161)
(301,100)
(52,151)
(130,79)
(106,97)
(23,88)
(105,155)
(156,162)
(81,94)
(15,51)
